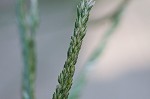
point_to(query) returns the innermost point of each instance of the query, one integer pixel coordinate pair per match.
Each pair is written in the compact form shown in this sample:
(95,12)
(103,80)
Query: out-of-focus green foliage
(27,24)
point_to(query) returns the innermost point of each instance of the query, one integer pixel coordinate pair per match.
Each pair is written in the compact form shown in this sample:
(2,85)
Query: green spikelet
(66,76)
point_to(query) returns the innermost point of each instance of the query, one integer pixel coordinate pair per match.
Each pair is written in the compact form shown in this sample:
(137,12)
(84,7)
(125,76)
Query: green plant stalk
(27,23)
(81,80)
(66,76)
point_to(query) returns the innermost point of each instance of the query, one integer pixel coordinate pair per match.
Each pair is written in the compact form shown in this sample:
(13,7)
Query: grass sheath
(66,76)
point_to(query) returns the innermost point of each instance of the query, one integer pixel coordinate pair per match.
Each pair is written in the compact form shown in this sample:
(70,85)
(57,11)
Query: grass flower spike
(66,76)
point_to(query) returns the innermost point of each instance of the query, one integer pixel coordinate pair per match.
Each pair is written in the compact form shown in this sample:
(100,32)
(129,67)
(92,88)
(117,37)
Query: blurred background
(122,71)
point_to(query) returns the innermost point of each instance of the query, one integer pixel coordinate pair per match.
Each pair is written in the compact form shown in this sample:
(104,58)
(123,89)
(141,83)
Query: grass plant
(28,21)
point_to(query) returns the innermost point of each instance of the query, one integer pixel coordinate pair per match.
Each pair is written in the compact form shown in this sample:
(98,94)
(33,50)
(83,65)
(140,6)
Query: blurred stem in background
(27,16)
(81,80)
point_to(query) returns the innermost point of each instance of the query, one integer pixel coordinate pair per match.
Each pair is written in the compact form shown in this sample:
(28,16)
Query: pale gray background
(123,72)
